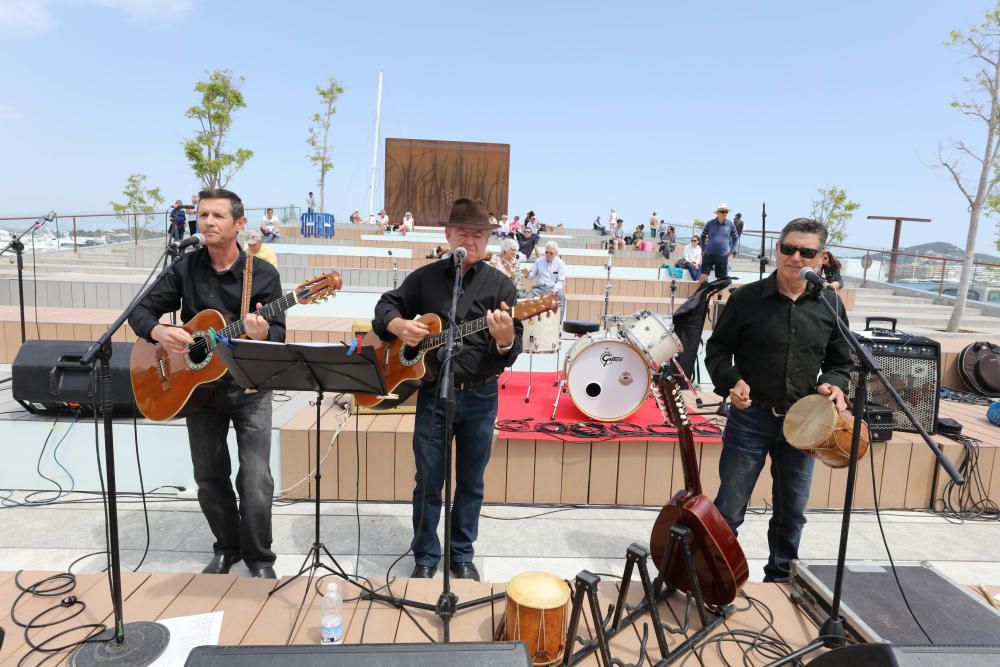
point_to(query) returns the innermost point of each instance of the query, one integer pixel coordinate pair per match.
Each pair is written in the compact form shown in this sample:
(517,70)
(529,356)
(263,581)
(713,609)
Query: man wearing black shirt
(774,344)
(212,277)
(488,293)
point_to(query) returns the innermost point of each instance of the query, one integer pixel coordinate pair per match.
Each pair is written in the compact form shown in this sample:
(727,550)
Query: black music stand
(256,364)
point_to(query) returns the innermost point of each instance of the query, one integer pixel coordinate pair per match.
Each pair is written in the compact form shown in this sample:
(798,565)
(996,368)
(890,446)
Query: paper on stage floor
(186,633)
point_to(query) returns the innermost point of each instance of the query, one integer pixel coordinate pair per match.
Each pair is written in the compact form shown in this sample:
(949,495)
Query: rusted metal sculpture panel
(425,176)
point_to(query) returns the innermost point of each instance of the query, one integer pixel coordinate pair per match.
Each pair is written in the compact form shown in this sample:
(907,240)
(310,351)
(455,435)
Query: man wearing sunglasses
(773,344)
(718,240)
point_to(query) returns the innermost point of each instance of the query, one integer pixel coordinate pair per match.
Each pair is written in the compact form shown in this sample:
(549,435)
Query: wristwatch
(504,349)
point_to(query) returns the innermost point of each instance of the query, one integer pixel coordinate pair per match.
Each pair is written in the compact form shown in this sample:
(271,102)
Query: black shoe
(221,563)
(266,572)
(465,571)
(423,572)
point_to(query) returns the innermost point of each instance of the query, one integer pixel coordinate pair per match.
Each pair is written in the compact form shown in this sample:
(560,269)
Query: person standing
(212,276)
(773,344)
(310,203)
(482,357)
(177,220)
(718,239)
(192,215)
(738,223)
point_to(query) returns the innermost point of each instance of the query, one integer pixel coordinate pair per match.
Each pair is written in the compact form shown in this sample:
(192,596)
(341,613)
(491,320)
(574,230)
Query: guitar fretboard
(279,305)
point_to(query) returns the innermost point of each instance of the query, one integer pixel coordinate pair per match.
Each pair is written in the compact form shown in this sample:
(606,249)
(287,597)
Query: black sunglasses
(789,249)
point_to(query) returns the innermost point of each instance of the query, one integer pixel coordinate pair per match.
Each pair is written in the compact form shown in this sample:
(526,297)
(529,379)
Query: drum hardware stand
(621,615)
(673,295)
(607,286)
(831,632)
(395,273)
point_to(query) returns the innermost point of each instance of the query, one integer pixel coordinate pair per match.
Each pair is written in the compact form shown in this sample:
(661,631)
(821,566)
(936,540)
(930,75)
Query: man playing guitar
(212,277)
(483,355)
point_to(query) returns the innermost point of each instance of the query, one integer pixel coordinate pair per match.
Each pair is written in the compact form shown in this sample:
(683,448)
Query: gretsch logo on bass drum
(608,358)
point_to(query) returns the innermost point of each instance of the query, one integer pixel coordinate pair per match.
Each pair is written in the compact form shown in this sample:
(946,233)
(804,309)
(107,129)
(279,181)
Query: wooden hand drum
(814,425)
(538,614)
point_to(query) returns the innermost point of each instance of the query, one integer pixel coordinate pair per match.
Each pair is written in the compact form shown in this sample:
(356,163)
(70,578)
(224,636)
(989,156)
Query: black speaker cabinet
(47,377)
(888,655)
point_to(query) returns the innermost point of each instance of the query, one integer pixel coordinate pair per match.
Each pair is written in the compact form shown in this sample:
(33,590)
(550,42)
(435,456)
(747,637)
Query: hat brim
(470,224)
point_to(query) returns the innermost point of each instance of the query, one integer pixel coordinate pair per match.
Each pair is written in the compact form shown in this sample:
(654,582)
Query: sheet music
(186,633)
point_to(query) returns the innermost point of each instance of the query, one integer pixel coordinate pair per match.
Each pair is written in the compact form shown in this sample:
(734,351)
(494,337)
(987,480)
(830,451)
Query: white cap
(722,207)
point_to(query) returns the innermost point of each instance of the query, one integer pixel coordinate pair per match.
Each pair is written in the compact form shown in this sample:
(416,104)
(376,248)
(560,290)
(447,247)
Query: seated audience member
(356,217)
(505,261)
(639,234)
(831,271)
(269,226)
(599,226)
(692,258)
(526,242)
(618,234)
(256,247)
(407,224)
(549,274)
(438,252)
(515,226)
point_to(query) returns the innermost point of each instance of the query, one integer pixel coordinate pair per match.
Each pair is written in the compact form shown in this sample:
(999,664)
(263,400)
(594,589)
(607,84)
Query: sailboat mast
(378,120)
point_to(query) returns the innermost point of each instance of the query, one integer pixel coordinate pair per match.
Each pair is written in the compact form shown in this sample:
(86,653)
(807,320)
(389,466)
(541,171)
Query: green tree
(139,205)
(834,210)
(319,134)
(697,225)
(981,45)
(206,151)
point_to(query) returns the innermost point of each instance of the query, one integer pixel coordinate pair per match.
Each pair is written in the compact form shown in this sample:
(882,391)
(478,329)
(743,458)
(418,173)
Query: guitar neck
(279,305)
(462,330)
(671,404)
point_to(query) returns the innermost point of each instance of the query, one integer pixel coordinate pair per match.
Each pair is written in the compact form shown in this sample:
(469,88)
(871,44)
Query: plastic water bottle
(331,626)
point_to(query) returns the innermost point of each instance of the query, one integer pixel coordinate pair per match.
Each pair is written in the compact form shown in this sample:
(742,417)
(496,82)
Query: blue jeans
(244,530)
(475,412)
(750,436)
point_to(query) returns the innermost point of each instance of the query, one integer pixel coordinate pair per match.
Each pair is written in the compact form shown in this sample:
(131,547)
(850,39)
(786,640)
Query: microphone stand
(607,287)
(831,633)
(141,642)
(395,273)
(448,601)
(18,249)
(762,258)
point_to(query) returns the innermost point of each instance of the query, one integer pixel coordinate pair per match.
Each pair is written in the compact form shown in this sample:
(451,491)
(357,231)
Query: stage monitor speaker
(47,377)
(912,364)
(887,655)
(481,654)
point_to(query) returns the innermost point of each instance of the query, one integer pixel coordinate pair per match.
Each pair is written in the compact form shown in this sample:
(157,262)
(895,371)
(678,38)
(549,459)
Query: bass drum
(607,379)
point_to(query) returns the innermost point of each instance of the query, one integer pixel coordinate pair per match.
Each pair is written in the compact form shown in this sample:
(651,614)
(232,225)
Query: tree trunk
(322,190)
(963,284)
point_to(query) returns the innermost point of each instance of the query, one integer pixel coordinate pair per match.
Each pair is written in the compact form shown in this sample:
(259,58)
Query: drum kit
(607,372)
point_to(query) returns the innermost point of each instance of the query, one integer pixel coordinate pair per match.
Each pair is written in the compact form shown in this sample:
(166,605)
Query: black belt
(463,385)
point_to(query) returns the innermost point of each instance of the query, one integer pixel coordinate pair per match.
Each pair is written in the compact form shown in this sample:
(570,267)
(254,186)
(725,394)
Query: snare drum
(652,336)
(537,606)
(607,379)
(541,334)
(815,426)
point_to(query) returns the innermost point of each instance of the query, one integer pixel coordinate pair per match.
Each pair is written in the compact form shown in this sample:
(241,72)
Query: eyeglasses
(789,250)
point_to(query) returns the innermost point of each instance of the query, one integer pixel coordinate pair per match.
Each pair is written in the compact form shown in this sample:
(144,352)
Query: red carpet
(539,410)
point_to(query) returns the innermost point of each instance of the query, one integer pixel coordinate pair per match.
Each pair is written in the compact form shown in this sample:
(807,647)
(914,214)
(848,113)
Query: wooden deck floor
(251,617)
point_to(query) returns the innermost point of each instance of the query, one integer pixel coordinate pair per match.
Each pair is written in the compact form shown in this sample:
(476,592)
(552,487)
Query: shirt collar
(236,269)
(770,288)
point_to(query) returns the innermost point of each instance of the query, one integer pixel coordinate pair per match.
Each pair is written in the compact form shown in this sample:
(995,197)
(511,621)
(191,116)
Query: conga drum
(814,425)
(538,614)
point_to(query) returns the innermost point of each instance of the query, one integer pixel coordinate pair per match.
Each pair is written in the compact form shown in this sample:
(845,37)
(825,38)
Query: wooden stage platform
(251,617)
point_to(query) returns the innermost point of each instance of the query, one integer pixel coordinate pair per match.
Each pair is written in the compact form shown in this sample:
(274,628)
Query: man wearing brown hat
(487,293)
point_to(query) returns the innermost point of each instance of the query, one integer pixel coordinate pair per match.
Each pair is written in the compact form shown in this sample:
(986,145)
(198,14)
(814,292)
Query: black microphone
(48,217)
(194,240)
(807,273)
(460,254)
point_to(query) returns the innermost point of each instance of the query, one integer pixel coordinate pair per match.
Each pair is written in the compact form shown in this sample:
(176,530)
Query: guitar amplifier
(912,364)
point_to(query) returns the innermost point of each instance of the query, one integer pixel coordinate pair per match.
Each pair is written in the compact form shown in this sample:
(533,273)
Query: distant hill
(943,249)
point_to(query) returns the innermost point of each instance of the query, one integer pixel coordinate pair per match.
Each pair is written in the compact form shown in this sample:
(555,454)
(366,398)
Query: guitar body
(162,383)
(402,366)
(718,558)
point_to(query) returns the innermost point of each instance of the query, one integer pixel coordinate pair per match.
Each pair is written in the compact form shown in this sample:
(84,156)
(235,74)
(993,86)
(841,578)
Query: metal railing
(75,230)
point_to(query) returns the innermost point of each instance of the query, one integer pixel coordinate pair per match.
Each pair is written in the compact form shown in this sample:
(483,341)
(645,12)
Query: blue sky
(663,106)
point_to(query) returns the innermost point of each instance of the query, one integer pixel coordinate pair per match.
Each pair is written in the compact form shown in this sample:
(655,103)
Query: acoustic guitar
(163,383)
(719,562)
(404,367)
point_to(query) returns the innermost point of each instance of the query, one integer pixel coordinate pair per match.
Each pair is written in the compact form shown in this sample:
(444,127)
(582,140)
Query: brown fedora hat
(470,214)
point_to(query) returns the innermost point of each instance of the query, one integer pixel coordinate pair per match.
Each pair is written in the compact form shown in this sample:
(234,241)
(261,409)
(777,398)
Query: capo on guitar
(216,337)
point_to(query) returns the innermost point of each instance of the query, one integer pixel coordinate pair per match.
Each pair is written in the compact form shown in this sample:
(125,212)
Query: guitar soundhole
(409,355)
(199,352)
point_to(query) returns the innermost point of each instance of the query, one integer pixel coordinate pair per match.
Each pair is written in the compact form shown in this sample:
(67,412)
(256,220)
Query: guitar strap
(247,286)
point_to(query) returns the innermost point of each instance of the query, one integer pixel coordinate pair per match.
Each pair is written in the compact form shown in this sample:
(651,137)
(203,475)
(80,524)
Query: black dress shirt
(193,285)
(782,348)
(429,290)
